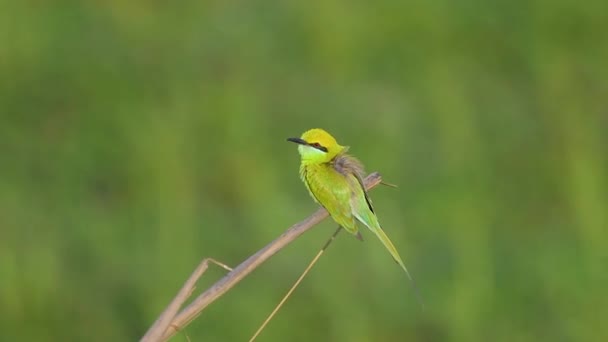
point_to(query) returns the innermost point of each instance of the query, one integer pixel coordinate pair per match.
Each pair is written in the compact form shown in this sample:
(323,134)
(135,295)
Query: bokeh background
(138,137)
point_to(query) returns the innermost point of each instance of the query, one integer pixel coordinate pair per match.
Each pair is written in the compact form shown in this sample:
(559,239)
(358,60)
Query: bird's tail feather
(391,248)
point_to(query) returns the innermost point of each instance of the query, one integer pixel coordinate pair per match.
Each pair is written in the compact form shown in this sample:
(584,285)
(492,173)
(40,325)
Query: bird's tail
(391,248)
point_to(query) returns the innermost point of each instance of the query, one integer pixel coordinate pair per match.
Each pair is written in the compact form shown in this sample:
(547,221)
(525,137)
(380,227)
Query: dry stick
(308,268)
(390,185)
(163,321)
(236,275)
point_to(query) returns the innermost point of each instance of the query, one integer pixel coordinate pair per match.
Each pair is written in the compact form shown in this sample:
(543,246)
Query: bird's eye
(318,146)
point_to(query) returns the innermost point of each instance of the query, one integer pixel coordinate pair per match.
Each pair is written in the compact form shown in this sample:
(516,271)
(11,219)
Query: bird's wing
(352,170)
(361,204)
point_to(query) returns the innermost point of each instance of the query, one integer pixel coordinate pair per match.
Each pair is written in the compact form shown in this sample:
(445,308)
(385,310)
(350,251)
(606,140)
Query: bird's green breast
(330,189)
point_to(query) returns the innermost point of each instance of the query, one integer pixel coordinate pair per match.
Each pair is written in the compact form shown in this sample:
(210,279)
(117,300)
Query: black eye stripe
(318,146)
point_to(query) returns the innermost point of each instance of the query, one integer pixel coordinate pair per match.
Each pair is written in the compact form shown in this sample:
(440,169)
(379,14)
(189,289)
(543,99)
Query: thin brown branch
(164,320)
(222,286)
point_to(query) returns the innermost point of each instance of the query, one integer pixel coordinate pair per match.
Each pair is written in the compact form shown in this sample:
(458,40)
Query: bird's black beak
(298,141)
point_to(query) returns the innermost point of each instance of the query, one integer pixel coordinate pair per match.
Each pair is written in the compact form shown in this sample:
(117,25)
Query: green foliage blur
(138,137)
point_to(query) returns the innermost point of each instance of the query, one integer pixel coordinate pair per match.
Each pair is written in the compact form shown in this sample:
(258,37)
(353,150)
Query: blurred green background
(138,137)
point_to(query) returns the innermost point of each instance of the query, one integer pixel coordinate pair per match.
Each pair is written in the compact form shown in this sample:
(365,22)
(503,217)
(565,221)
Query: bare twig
(390,185)
(163,321)
(222,286)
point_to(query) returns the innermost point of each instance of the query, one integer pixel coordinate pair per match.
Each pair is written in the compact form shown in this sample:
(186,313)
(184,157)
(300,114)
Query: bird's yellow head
(317,146)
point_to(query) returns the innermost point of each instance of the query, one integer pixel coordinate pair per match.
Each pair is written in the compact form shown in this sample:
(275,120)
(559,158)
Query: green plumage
(337,186)
(334,180)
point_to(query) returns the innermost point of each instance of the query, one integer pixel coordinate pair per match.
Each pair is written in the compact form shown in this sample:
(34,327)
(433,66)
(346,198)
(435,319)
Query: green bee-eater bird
(335,181)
